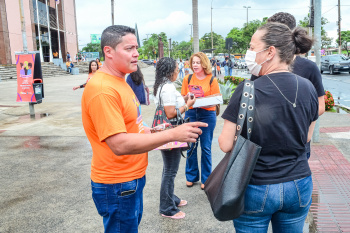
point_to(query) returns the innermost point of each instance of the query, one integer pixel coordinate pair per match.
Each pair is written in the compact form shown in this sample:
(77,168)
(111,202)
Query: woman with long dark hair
(137,84)
(93,67)
(167,71)
(286,109)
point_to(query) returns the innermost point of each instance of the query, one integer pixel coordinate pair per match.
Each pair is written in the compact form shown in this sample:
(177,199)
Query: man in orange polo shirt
(113,124)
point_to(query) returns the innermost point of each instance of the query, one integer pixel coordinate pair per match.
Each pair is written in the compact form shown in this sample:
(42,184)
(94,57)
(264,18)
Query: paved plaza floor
(45,169)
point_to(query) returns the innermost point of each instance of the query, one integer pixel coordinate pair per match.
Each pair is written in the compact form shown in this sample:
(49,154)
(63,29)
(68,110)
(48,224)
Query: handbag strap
(246,109)
(160,96)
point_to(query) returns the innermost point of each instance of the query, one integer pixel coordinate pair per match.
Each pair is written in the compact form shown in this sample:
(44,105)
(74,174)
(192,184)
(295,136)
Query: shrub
(233,79)
(226,91)
(329,101)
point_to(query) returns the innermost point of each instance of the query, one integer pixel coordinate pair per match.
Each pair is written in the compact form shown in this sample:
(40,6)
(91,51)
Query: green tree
(241,37)
(218,42)
(325,40)
(345,41)
(90,47)
(239,44)
(150,45)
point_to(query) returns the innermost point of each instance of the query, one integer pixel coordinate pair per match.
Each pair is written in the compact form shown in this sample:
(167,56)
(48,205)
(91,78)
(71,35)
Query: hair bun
(303,42)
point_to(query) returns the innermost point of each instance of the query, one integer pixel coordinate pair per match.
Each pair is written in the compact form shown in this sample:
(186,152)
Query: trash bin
(38,90)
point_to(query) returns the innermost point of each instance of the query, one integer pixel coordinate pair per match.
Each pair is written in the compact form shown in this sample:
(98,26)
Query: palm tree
(112,11)
(195,26)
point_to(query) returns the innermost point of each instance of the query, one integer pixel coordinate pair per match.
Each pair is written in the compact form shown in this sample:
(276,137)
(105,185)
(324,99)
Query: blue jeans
(120,205)
(226,70)
(286,205)
(181,73)
(206,138)
(168,200)
(230,70)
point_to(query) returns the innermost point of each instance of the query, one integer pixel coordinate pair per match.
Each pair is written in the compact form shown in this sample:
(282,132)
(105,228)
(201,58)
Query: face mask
(253,67)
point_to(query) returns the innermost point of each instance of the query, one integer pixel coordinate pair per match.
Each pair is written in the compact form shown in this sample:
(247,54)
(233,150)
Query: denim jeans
(168,200)
(206,138)
(226,71)
(181,73)
(120,205)
(286,205)
(230,70)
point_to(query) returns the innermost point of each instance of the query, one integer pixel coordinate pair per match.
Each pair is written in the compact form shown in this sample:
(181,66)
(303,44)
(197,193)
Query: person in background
(166,73)
(286,110)
(68,56)
(113,124)
(202,77)
(137,84)
(218,65)
(99,62)
(93,67)
(225,65)
(55,54)
(230,65)
(187,67)
(213,66)
(181,69)
(302,67)
(69,66)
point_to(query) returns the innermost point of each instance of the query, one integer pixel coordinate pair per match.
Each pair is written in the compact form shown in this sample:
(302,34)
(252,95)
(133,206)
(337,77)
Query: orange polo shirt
(109,107)
(205,84)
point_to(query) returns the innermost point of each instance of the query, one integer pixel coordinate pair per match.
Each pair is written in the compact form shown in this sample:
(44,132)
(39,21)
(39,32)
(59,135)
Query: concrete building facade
(50,43)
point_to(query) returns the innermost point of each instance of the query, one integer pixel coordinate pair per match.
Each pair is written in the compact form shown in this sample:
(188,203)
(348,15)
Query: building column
(58,33)
(38,22)
(5,48)
(49,31)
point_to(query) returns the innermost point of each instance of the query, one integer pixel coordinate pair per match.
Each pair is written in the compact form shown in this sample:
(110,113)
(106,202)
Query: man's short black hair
(112,35)
(285,18)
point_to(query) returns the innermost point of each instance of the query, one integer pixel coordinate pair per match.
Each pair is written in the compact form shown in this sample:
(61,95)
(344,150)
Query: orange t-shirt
(205,84)
(109,106)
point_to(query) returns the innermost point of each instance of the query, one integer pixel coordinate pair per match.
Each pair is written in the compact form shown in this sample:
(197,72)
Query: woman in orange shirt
(99,62)
(93,67)
(201,83)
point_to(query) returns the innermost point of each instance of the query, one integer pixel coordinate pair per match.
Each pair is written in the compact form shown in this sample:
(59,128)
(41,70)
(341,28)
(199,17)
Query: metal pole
(317,31)
(25,46)
(247,16)
(38,21)
(195,26)
(31,110)
(191,37)
(211,21)
(247,12)
(339,31)
(169,46)
(49,30)
(112,9)
(58,33)
(23,26)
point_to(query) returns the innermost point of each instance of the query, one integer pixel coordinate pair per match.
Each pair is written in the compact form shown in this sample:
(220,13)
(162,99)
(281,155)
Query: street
(339,86)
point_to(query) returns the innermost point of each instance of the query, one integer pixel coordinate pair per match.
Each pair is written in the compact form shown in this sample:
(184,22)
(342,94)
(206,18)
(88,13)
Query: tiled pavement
(330,206)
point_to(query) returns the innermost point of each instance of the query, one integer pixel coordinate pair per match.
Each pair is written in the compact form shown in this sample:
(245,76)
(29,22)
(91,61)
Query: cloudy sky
(174,17)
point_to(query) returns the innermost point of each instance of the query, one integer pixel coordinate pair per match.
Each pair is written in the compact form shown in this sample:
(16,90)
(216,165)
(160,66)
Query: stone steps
(48,70)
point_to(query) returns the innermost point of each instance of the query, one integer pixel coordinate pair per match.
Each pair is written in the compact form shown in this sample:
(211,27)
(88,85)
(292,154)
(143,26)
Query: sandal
(182,203)
(189,184)
(202,186)
(179,215)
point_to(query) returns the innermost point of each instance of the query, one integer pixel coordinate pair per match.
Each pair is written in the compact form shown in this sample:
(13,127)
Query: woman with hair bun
(286,109)
(167,71)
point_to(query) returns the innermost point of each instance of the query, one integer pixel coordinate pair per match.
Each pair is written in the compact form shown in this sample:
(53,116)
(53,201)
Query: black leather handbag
(226,185)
